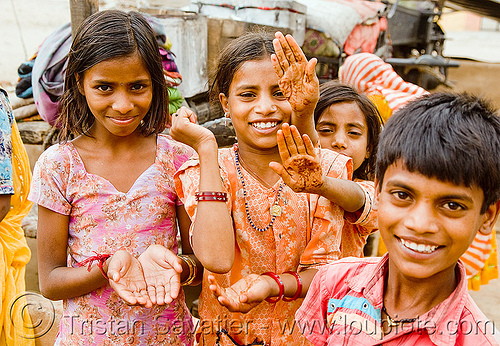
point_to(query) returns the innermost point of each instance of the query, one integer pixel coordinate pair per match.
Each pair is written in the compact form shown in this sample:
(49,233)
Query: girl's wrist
(105,266)
(320,189)
(274,288)
(189,270)
(208,146)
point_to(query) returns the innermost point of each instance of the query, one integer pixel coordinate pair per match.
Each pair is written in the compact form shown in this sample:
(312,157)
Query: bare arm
(184,224)
(213,234)
(57,281)
(4,206)
(345,193)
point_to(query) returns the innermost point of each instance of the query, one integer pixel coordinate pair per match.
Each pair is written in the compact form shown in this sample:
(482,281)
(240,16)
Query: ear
(368,153)
(79,82)
(490,218)
(224,102)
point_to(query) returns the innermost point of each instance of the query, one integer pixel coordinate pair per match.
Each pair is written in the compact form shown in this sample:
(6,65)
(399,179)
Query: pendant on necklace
(391,322)
(275,210)
(283,198)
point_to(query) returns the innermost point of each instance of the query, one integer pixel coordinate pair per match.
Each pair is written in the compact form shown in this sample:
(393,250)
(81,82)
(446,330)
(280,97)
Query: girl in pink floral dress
(107,202)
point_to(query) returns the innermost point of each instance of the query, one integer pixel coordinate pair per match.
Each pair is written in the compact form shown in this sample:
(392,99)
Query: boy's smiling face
(427,224)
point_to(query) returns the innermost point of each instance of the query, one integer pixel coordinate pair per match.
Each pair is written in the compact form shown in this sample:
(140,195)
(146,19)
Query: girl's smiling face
(119,93)
(342,128)
(256,104)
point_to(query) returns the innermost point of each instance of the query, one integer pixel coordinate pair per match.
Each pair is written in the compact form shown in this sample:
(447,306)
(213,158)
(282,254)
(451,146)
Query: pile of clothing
(351,26)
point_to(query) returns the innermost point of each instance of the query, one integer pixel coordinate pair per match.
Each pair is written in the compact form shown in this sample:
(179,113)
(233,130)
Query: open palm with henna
(305,173)
(298,80)
(301,169)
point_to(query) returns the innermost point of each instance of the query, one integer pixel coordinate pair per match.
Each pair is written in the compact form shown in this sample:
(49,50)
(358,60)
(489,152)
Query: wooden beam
(81,9)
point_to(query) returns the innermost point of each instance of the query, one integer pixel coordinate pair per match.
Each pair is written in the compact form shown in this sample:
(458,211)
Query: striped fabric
(477,253)
(369,74)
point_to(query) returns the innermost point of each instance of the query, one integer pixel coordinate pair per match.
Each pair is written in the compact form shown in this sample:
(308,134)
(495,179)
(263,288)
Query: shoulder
(365,183)
(225,158)
(166,143)
(474,321)
(59,152)
(59,159)
(171,151)
(349,264)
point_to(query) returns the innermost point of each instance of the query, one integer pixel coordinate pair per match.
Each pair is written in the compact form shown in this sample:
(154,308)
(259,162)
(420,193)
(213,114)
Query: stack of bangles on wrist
(215,196)
(192,269)
(281,294)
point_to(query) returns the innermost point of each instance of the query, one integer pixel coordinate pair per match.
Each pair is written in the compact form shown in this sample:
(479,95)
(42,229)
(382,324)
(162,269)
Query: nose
(266,105)
(339,141)
(421,218)
(122,103)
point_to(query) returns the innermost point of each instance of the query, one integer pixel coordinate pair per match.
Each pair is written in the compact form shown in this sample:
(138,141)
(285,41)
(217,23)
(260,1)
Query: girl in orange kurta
(348,123)
(267,212)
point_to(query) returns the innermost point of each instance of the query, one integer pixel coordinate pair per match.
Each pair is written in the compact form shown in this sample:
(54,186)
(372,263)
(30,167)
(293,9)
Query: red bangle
(211,196)
(100,258)
(280,285)
(299,287)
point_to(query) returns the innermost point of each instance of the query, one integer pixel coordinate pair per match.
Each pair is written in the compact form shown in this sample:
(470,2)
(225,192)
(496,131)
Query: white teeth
(267,125)
(419,247)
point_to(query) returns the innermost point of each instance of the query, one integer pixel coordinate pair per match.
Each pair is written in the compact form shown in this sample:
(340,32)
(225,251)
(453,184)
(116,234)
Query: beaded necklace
(275,208)
(393,323)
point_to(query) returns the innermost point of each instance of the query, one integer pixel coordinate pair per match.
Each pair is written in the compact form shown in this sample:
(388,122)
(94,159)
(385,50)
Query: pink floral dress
(105,220)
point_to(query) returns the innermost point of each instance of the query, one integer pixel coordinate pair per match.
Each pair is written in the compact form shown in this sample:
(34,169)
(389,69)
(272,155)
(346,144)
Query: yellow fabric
(15,253)
(381,104)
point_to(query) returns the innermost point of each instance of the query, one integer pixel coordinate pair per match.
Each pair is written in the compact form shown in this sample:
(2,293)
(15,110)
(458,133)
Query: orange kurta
(306,234)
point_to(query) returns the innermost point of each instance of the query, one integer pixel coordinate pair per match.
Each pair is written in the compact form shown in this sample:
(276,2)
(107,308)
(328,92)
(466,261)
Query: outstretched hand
(162,270)
(184,129)
(127,279)
(243,295)
(298,80)
(301,168)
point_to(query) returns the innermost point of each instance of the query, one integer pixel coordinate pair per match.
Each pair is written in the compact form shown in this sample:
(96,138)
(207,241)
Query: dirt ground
(36,19)
(477,78)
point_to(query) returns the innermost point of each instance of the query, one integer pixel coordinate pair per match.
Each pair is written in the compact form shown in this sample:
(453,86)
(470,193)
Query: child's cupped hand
(243,295)
(298,80)
(300,168)
(162,270)
(184,129)
(127,279)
